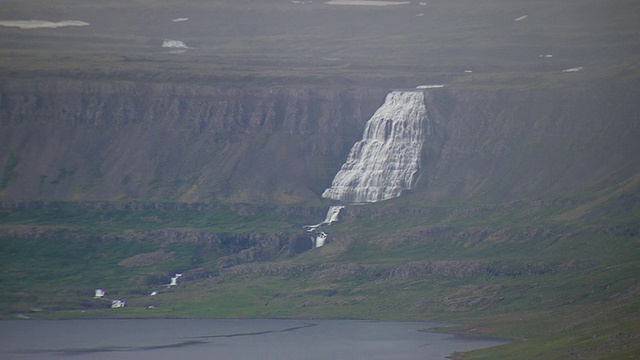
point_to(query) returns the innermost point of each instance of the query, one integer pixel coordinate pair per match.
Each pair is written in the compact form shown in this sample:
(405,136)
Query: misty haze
(424,169)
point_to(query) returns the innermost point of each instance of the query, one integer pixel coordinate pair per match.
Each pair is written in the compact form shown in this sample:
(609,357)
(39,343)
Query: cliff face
(118,141)
(103,141)
(513,144)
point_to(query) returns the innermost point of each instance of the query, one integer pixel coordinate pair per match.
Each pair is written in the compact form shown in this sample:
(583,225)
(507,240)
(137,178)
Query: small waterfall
(319,237)
(386,160)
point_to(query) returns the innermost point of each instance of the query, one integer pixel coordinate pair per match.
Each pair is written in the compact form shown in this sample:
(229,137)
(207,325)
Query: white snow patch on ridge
(367,2)
(575,69)
(521,18)
(36,24)
(429,86)
(174,44)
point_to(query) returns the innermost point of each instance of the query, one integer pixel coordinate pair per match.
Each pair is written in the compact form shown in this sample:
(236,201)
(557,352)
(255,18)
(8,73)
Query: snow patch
(575,69)
(174,44)
(429,86)
(179,19)
(366,2)
(545,56)
(521,18)
(36,24)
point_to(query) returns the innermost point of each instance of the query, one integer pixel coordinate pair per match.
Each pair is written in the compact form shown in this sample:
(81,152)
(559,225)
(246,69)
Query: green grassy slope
(558,276)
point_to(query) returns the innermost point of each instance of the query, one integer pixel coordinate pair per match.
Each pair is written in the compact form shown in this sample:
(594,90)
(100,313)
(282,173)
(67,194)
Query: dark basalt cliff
(123,141)
(515,144)
(90,141)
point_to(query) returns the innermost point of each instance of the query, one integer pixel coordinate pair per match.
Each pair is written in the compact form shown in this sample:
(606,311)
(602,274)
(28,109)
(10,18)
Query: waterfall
(332,216)
(386,160)
(319,237)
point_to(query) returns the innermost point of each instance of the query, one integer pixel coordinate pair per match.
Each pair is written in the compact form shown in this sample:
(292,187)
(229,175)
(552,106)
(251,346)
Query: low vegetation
(557,288)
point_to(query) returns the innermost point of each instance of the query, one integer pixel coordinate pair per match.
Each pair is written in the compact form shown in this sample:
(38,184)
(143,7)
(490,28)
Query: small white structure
(118,304)
(99,294)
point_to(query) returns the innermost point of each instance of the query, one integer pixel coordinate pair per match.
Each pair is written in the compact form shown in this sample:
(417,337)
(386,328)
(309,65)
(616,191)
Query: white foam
(521,18)
(36,24)
(575,69)
(366,2)
(320,239)
(174,44)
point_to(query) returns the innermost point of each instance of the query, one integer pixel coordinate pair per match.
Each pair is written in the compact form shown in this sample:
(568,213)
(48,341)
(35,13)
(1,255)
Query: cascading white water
(332,216)
(386,160)
(319,238)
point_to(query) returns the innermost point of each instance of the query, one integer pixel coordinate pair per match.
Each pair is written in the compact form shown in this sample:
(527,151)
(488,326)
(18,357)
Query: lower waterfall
(385,162)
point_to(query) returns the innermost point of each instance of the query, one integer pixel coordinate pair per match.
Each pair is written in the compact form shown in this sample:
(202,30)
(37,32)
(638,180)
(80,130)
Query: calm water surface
(222,339)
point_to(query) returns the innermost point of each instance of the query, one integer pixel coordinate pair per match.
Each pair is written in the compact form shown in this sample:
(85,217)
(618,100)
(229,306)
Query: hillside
(139,140)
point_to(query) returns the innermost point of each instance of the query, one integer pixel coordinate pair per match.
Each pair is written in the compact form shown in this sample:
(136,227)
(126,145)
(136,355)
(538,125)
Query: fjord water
(221,339)
(386,160)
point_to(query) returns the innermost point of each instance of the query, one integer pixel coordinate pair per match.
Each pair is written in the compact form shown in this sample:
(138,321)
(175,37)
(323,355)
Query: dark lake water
(221,339)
